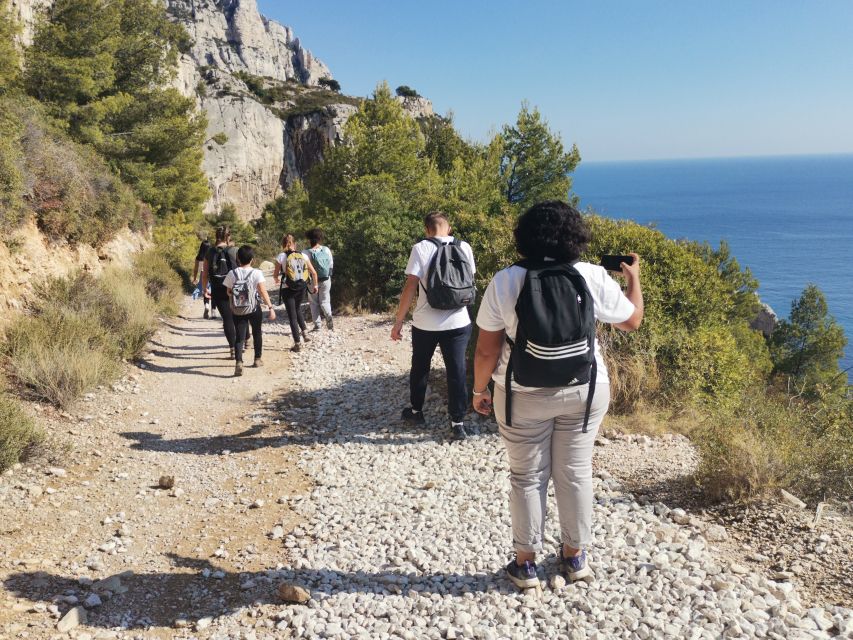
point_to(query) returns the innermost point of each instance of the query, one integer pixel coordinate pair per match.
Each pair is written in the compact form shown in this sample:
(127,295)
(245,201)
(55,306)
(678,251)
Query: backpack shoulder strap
(434,241)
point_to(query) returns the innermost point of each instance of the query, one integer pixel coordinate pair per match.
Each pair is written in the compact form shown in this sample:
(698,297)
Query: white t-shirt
(255,278)
(425,317)
(497,310)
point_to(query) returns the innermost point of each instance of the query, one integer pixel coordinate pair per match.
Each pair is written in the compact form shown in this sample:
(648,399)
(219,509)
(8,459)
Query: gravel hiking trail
(177,503)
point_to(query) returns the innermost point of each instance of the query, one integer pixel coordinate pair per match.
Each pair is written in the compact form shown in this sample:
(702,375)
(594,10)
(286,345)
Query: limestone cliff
(259,86)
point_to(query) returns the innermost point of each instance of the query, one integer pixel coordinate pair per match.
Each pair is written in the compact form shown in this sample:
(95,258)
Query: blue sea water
(789,219)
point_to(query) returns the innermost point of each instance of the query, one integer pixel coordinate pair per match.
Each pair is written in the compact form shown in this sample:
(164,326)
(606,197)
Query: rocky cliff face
(248,74)
(259,86)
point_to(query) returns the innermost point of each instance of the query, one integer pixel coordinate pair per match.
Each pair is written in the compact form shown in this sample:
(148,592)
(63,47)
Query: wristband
(479,393)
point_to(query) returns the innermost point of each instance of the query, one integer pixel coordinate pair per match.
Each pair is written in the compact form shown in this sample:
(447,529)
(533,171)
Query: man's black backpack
(450,279)
(221,265)
(555,340)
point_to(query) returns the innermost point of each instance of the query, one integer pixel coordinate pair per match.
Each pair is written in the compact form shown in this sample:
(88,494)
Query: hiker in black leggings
(295,272)
(211,273)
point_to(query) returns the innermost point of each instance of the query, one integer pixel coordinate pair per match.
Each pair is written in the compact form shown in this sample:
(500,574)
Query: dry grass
(61,356)
(18,433)
(161,281)
(81,327)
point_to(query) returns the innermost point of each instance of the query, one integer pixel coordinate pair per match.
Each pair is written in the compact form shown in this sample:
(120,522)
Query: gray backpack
(244,293)
(450,279)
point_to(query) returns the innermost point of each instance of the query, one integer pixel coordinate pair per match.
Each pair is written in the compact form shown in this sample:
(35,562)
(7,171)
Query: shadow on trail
(357,410)
(161,598)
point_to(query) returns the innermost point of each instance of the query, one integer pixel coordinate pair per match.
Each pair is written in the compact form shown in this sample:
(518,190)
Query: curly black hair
(551,229)
(315,236)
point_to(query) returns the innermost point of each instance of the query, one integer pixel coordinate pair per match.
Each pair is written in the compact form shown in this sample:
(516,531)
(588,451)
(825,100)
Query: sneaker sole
(579,575)
(526,583)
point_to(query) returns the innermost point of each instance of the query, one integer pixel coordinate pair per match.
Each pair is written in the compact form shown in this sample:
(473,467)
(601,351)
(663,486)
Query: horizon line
(769,156)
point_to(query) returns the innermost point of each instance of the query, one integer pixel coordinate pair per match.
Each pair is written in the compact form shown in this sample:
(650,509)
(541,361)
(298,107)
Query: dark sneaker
(296,347)
(238,369)
(457,430)
(258,363)
(523,576)
(316,328)
(305,337)
(413,417)
(330,325)
(576,567)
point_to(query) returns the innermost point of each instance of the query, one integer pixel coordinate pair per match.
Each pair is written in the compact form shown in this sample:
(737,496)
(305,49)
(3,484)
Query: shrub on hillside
(766,441)
(80,328)
(18,433)
(73,194)
(688,343)
(12,211)
(61,356)
(162,283)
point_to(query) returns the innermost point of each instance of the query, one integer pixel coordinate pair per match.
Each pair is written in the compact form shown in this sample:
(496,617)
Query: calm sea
(789,219)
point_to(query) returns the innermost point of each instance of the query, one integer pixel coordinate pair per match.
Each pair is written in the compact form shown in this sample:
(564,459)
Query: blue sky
(623,79)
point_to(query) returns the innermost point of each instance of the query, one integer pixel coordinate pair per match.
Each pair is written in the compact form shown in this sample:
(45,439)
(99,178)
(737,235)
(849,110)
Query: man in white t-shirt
(448,329)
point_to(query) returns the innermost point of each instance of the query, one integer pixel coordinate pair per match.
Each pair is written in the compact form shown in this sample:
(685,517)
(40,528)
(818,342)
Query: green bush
(60,356)
(688,342)
(18,433)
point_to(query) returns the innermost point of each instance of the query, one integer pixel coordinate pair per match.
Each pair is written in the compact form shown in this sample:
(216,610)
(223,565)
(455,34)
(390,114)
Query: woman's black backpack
(555,340)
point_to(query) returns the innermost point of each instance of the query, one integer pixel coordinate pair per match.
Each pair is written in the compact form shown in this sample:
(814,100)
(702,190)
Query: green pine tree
(808,345)
(535,166)
(103,67)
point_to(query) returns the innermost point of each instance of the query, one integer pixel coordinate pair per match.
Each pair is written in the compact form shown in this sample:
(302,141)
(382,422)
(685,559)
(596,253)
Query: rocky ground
(296,480)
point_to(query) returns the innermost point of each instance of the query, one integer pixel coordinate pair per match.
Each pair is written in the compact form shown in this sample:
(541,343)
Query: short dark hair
(245,254)
(432,219)
(315,235)
(552,229)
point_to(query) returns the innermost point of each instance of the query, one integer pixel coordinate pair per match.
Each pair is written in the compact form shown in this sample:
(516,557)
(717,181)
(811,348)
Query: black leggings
(241,324)
(293,303)
(223,306)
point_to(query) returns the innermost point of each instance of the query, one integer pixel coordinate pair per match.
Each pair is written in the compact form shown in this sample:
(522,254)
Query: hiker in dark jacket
(220,260)
(550,429)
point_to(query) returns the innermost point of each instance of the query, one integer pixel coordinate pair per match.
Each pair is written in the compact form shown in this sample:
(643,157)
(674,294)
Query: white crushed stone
(406,535)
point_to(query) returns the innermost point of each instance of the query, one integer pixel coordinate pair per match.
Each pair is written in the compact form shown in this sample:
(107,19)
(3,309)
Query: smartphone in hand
(614,262)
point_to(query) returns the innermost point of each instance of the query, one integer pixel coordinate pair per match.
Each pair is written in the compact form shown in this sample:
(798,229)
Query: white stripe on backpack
(557,353)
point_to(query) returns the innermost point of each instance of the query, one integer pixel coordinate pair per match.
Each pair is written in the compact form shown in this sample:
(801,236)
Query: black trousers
(223,306)
(242,324)
(453,344)
(293,303)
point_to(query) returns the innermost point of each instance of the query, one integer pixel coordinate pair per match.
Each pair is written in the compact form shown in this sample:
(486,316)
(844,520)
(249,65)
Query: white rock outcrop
(269,145)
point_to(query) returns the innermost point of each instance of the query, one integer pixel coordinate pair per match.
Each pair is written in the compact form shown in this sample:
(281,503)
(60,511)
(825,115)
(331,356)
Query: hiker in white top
(324,263)
(447,327)
(294,271)
(551,426)
(246,288)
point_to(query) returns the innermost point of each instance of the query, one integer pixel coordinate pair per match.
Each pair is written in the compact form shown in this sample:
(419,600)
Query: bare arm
(486,357)
(276,274)
(197,268)
(406,297)
(634,293)
(266,298)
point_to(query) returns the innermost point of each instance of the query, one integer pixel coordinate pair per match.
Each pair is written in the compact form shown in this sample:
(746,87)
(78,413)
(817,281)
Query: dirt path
(96,511)
(299,472)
